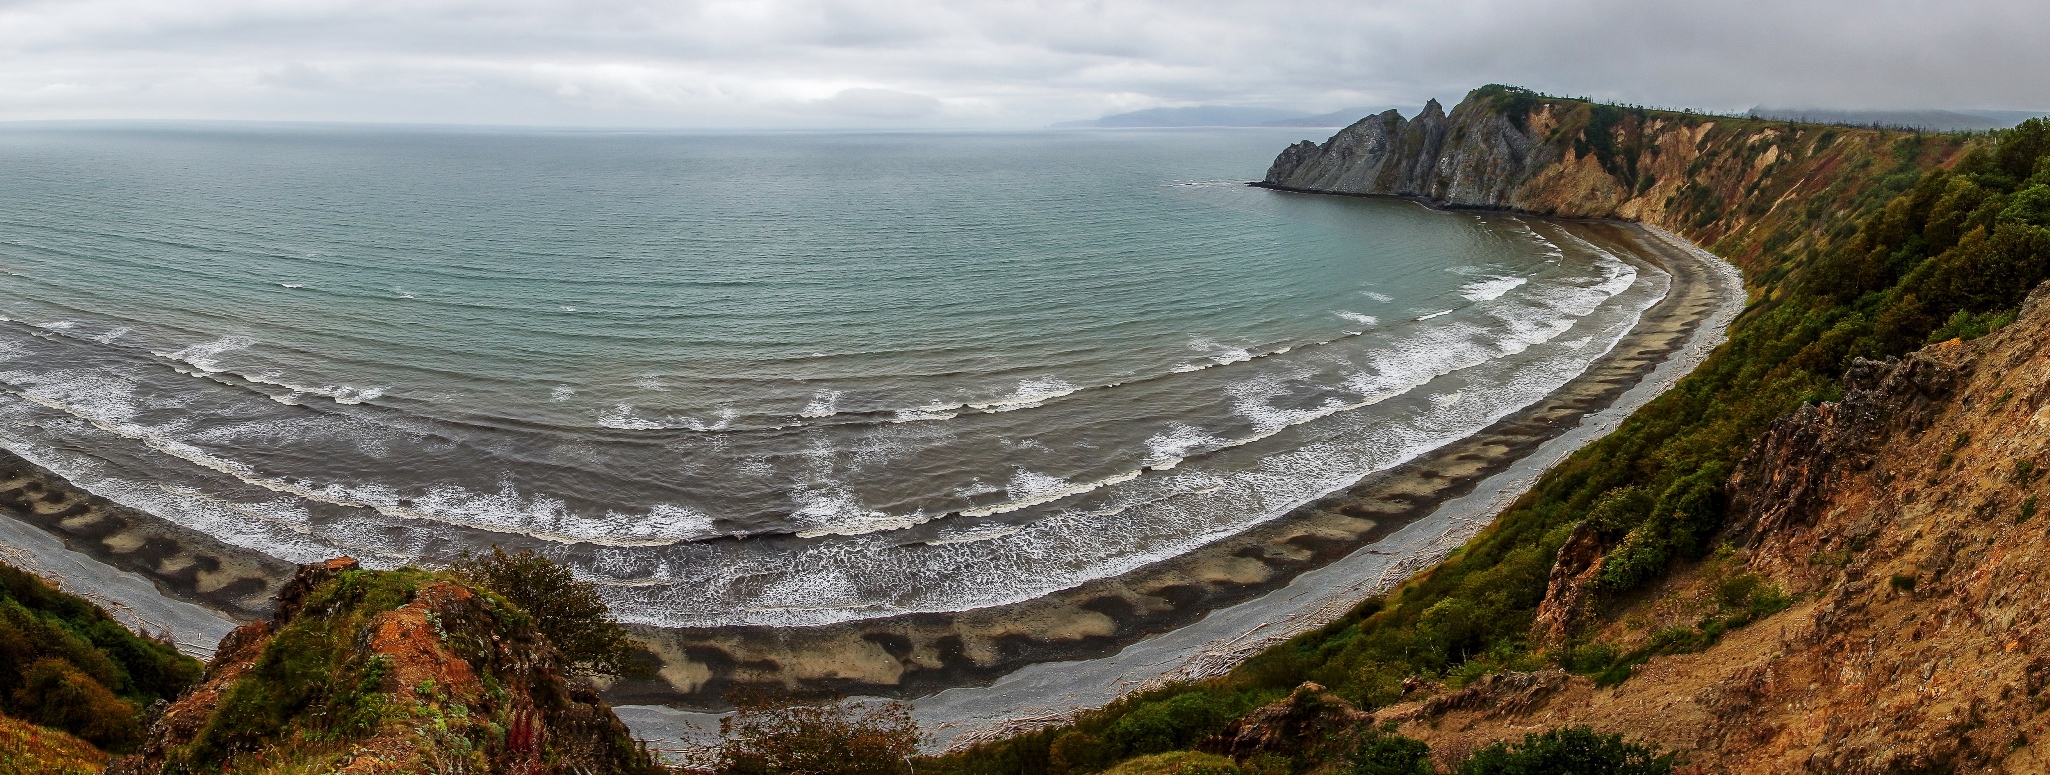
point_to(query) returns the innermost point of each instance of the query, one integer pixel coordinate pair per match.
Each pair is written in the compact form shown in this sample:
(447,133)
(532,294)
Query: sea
(754,378)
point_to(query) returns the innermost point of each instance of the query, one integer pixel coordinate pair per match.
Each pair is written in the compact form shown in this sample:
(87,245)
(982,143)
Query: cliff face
(1503,148)
(1904,521)
(401,671)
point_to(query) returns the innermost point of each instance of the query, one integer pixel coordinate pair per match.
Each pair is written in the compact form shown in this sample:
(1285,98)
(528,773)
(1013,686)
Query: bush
(1387,754)
(1078,751)
(1177,763)
(1176,723)
(774,736)
(567,611)
(65,664)
(1569,751)
(57,695)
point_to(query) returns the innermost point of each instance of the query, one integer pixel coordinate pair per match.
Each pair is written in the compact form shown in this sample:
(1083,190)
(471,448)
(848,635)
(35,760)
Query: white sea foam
(340,394)
(291,285)
(924,413)
(825,403)
(561,393)
(110,336)
(1365,320)
(1380,297)
(205,356)
(1220,354)
(1165,450)
(979,534)
(1439,313)
(1030,393)
(623,417)
(1032,489)
(1492,288)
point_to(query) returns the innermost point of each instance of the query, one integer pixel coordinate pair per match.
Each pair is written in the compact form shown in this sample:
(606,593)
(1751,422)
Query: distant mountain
(1345,117)
(1931,120)
(1220,115)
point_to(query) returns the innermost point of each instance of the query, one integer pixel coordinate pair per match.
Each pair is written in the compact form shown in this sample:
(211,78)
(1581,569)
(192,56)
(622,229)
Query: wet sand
(1047,693)
(919,654)
(1177,613)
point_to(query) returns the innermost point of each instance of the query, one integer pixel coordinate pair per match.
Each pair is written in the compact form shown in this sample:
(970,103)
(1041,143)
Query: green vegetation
(1379,753)
(67,665)
(1178,763)
(771,736)
(28,749)
(568,612)
(1568,751)
(312,688)
(1901,239)
(408,670)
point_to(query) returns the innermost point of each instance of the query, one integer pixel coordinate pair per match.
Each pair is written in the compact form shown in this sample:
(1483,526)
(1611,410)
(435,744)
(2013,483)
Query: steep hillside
(1856,244)
(1904,521)
(66,665)
(28,749)
(400,671)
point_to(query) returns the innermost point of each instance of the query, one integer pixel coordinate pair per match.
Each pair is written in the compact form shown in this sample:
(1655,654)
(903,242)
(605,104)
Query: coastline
(1157,612)
(920,654)
(1048,693)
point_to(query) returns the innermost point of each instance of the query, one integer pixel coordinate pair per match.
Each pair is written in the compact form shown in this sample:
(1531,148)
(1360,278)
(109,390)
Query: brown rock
(1309,720)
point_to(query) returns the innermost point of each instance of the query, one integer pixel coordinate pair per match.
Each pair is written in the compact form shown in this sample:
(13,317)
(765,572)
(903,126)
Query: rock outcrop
(373,672)
(1701,175)
(1310,721)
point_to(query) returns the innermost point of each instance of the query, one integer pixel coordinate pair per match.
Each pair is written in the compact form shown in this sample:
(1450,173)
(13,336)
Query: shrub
(1177,763)
(774,736)
(1569,751)
(1176,723)
(57,695)
(1388,754)
(568,612)
(1077,751)
(66,664)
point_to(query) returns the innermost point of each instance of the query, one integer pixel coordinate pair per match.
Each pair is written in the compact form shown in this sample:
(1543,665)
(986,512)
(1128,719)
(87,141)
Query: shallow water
(753,378)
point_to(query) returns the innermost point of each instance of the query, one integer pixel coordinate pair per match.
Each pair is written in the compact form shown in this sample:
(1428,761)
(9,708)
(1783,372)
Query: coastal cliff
(1702,175)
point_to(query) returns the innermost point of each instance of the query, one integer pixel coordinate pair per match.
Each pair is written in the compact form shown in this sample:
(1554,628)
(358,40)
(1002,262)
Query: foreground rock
(401,671)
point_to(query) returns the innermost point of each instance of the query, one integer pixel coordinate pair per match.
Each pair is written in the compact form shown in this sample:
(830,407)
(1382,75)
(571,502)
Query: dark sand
(921,654)
(917,654)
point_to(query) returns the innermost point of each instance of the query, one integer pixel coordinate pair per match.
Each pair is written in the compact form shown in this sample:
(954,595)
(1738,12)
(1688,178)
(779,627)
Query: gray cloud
(997,63)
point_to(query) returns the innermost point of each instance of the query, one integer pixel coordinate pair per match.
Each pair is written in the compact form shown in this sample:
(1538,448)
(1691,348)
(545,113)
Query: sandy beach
(1674,338)
(991,670)
(919,654)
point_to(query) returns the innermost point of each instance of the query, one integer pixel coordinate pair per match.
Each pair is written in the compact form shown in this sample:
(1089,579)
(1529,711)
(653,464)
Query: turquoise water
(753,378)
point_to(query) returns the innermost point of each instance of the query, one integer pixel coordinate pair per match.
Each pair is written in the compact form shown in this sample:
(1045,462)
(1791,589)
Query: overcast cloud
(720,63)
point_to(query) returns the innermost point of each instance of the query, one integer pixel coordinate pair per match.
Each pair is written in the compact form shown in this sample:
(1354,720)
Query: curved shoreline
(1035,661)
(1047,693)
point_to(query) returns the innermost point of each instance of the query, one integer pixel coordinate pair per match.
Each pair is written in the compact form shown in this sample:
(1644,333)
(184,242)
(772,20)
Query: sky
(959,63)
